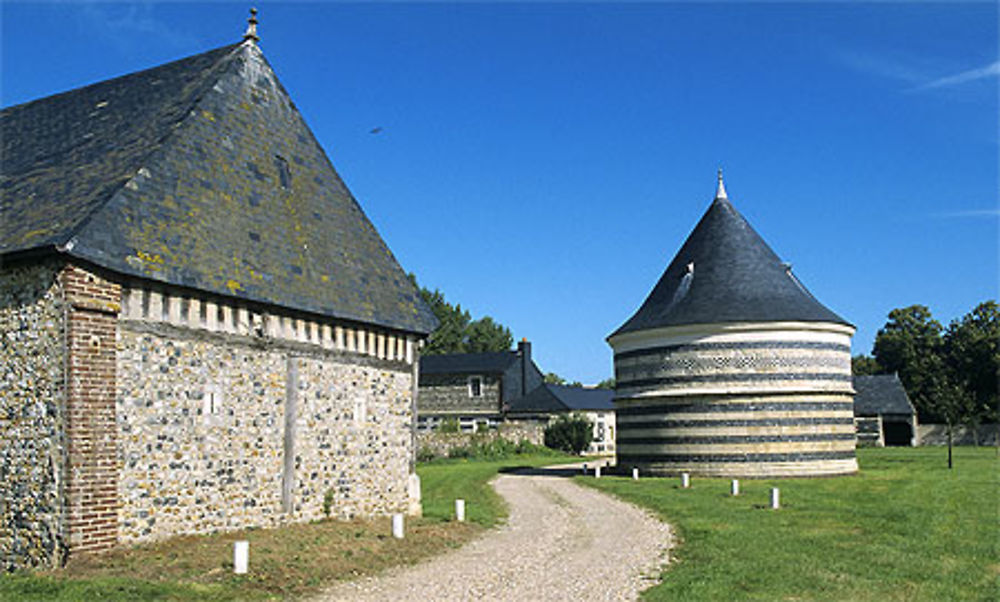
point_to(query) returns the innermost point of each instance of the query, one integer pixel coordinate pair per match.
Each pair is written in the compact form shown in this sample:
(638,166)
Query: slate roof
(735,277)
(467,363)
(562,398)
(199,173)
(880,394)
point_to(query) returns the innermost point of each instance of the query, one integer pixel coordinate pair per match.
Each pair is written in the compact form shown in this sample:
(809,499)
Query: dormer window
(475,386)
(284,174)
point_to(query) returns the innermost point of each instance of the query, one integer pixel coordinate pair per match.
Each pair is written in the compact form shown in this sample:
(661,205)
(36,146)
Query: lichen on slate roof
(723,273)
(199,173)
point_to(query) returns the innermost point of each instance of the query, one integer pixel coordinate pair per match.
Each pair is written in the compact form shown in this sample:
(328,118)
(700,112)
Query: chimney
(524,350)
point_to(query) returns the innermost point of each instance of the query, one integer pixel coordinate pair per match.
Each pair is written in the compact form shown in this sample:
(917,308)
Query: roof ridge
(164,140)
(114,79)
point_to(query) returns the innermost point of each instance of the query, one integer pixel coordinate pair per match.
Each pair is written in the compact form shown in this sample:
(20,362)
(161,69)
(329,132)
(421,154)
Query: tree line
(457,332)
(950,373)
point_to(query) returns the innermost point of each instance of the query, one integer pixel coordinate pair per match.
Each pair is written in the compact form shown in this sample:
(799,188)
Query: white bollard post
(635,474)
(775,497)
(735,488)
(685,480)
(397,526)
(597,471)
(460,510)
(241,557)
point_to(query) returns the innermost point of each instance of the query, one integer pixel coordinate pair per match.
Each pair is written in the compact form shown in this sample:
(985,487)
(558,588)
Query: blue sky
(542,163)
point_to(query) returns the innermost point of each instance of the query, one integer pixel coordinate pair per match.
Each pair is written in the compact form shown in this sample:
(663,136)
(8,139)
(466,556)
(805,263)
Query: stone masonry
(131,415)
(449,394)
(32,416)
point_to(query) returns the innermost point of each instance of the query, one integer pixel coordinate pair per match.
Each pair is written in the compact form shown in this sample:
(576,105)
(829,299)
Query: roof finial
(251,32)
(720,191)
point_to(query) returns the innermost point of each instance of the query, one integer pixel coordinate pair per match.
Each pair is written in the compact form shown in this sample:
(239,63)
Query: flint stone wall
(204,436)
(937,434)
(436,443)
(32,404)
(123,425)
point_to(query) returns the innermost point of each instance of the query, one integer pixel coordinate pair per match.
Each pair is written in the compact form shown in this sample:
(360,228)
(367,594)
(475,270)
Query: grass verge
(903,528)
(445,480)
(286,562)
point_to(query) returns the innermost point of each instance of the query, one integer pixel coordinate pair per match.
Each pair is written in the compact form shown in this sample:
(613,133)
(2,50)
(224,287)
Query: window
(212,403)
(475,386)
(360,410)
(284,174)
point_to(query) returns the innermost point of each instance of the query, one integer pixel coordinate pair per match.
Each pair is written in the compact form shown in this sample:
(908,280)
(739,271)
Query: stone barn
(201,328)
(883,413)
(731,367)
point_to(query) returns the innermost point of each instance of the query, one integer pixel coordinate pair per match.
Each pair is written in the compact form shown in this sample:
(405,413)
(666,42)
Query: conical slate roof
(725,272)
(200,173)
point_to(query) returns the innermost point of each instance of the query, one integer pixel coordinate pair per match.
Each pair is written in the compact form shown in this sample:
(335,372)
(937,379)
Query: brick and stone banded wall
(221,431)
(32,414)
(776,364)
(449,394)
(739,435)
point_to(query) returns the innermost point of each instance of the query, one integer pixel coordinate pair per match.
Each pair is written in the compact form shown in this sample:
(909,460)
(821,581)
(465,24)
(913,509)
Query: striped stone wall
(742,400)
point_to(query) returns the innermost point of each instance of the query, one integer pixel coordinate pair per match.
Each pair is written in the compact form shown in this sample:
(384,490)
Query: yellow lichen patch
(324,278)
(208,115)
(149,257)
(233,286)
(33,234)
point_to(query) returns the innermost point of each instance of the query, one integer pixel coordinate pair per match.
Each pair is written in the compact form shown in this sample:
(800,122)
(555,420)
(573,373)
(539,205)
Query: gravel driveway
(561,542)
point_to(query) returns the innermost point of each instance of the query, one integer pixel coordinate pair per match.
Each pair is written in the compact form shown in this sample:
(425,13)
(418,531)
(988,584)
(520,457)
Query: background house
(202,330)
(481,391)
(474,389)
(549,401)
(883,413)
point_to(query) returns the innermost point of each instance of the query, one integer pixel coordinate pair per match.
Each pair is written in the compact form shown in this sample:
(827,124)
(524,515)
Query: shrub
(571,434)
(327,502)
(425,454)
(449,425)
(459,451)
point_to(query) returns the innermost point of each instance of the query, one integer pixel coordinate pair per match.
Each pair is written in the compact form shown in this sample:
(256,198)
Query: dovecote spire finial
(720,190)
(251,32)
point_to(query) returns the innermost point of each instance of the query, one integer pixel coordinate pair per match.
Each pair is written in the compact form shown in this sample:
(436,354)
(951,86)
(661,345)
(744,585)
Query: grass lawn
(286,562)
(904,528)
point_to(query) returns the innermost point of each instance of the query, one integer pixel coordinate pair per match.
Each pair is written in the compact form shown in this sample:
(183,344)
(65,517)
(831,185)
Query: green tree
(607,383)
(457,332)
(972,353)
(951,400)
(571,434)
(552,378)
(486,335)
(865,364)
(910,345)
